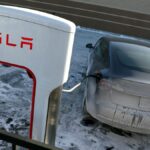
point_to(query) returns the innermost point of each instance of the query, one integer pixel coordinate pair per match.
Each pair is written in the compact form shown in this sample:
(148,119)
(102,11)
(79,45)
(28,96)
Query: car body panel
(121,98)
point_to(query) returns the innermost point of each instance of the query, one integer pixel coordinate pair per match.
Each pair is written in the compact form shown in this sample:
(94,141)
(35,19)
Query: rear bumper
(116,115)
(123,118)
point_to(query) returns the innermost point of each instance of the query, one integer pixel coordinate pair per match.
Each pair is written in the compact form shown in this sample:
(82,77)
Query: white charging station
(42,44)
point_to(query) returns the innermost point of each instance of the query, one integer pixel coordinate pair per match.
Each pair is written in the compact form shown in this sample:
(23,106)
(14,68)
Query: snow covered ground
(15,99)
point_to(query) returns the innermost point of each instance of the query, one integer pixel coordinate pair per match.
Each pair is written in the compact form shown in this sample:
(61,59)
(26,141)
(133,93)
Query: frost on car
(118,84)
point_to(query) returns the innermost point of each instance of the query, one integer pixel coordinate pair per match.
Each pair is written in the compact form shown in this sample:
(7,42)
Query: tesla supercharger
(42,44)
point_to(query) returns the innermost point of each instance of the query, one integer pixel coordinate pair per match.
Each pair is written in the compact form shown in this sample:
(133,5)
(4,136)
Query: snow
(15,100)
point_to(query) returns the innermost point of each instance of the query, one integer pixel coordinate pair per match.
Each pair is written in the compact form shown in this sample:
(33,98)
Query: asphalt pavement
(140,6)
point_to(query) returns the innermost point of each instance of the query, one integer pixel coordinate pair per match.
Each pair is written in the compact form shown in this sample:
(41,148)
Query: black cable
(98,77)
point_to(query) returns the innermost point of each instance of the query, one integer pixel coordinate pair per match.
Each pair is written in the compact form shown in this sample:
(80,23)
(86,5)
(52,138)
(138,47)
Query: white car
(118,84)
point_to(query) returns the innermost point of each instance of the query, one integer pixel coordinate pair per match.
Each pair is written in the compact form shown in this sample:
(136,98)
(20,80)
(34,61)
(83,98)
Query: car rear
(122,97)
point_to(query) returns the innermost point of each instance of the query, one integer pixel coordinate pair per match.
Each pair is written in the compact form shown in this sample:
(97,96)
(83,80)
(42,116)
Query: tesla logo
(24,41)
